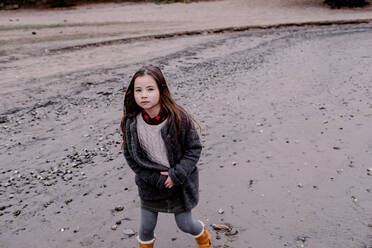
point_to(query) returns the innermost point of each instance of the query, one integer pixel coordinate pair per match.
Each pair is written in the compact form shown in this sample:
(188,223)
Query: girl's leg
(187,224)
(148,224)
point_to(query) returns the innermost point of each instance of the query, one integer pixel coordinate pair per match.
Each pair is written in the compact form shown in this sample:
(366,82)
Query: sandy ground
(30,40)
(102,21)
(286,159)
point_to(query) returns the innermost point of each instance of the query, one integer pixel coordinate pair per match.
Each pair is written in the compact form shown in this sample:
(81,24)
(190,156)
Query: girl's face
(147,95)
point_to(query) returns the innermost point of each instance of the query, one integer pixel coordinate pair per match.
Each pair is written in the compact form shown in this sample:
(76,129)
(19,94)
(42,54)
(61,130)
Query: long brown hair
(174,111)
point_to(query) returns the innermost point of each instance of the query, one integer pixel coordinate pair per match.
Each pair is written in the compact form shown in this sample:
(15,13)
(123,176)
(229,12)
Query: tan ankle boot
(146,244)
(204,239)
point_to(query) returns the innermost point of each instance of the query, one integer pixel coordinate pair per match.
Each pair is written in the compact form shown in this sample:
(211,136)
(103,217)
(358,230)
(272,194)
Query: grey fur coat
(183,157)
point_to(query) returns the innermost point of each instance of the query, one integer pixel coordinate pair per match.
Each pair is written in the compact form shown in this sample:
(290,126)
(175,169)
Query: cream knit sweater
(151,141)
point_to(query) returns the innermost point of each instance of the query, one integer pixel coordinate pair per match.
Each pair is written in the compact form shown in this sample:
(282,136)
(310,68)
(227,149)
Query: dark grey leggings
(184,222)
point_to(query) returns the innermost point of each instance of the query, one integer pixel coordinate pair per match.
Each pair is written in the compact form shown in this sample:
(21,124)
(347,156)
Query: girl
(162,147)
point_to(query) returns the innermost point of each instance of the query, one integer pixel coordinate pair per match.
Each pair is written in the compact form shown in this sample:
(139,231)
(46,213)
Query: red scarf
(157,119)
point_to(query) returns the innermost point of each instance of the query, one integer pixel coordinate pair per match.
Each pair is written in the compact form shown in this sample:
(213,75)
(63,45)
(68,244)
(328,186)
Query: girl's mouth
(145,102)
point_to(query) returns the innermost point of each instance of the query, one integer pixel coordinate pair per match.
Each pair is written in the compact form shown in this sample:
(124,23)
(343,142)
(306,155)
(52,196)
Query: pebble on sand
(16,213)
(232,232)
(220,227)
(119,208)
(228,230)
(129,232)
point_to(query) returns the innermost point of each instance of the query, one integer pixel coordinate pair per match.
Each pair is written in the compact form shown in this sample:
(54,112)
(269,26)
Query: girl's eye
(151,89)
(138,90)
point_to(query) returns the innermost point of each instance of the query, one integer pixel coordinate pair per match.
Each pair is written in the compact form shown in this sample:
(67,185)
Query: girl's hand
(168,183)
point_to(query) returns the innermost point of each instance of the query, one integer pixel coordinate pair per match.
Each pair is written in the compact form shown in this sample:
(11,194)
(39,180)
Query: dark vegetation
(15,4)
(336,4)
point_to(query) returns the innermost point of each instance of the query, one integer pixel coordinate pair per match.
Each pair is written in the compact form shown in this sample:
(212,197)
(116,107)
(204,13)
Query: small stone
(11,196)
(118,222)
(16,213)
(232,232)
(250,182)
(302,238)
(354,199)
(68,178)
(3,119)
(129,232)
(114,227)
(119,208)
(234,163)
(336,148)
(33,33)
(220,211)
(300,185)
(220,227)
